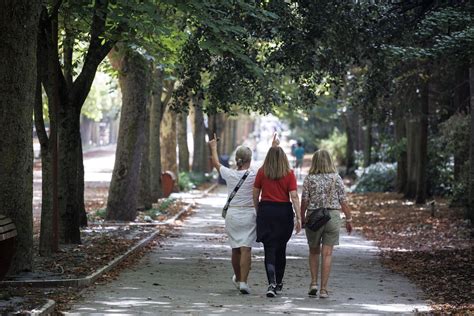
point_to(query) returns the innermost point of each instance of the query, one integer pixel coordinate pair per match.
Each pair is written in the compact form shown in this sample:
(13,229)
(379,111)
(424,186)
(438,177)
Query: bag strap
(237,187)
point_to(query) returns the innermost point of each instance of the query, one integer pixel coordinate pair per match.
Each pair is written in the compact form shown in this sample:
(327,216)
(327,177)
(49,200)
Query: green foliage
(100,213)
(452,141)
(336,145)
(190,180)
(378,177)
(102,100)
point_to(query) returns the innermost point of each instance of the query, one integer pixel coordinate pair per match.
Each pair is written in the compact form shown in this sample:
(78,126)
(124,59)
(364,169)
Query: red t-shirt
(275,190)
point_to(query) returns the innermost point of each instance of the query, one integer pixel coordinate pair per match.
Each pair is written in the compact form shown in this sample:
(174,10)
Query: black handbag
(318,217)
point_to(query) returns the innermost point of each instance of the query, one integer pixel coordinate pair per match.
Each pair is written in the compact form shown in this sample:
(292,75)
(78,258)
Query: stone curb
(90,279)
(46,309)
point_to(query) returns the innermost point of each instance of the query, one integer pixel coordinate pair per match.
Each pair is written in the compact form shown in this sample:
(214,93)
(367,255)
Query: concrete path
(190,274)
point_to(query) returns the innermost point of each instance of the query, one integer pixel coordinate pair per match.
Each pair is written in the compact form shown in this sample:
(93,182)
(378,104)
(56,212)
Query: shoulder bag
(231,196)
(318,217)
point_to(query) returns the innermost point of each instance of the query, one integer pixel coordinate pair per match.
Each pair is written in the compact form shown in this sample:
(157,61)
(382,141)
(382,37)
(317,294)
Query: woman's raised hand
(275,140)
(213,142)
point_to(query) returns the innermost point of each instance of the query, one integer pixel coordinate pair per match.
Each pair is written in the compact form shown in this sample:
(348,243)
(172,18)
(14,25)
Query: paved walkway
(190,274)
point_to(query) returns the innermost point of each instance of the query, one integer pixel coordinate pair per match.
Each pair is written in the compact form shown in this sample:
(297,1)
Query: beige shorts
(328,234)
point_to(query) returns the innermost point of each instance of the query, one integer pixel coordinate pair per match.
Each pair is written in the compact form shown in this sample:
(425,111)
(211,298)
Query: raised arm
(214,157)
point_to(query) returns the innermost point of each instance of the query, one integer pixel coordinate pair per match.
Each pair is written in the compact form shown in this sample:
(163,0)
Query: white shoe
(244,288)
(236,284)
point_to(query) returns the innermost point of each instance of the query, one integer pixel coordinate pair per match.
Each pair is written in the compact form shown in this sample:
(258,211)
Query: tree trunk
(169,158)
(145,200)
(400,136)
(350,158)
(368,142)
(422,150)
(70,189)
(19,25)
(124,187)
(410,189)
(200,152)
(182,127)
(156,115)
(46,244)
(470,213)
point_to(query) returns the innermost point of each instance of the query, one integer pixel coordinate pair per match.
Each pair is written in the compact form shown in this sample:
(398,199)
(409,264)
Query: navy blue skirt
(274,222)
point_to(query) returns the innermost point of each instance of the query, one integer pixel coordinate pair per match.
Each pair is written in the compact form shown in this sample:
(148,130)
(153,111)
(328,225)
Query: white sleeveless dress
(241,218)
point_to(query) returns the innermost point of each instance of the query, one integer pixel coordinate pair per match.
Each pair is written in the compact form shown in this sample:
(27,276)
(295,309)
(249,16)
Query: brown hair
(322,163)
(276,164)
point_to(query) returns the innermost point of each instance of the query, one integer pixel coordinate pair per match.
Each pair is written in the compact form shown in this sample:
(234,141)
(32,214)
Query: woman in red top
(276,183)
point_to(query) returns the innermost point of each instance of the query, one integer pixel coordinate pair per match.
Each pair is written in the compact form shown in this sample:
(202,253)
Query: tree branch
(95,54)
(39,121)
(47,55)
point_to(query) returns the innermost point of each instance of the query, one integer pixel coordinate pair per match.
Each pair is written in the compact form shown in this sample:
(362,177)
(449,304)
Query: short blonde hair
(276,164)
(243,155)
(322,163)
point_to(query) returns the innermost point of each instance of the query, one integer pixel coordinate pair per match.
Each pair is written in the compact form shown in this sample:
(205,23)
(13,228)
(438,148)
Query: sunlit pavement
(191,274)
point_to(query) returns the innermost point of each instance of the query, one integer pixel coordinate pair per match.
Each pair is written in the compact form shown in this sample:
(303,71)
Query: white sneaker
(244,288)
(236,284)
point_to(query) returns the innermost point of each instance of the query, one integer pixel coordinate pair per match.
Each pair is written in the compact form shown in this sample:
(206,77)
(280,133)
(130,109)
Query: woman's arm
(214,157)
(256,197)
(347,211)
(304,206)
(296,205)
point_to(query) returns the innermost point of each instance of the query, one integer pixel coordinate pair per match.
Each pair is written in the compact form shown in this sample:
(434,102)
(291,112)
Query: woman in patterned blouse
(323,187)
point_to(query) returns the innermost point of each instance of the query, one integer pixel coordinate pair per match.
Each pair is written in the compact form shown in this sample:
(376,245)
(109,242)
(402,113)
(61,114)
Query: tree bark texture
(422,148)
(182,127)
(169,158)
(350,158)
(412,143)
(19,25)
(145,201)
(157,109)
(400,136)
(368,143)
(201,151)
(46,243)
(134,82)
(470,213)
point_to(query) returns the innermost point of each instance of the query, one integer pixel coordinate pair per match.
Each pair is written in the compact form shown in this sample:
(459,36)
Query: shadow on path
(191,274)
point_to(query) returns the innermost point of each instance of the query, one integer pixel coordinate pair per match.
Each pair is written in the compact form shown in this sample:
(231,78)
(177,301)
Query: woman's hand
(275,140)
(214,156)
(348,227)
(298,225)
(213,142)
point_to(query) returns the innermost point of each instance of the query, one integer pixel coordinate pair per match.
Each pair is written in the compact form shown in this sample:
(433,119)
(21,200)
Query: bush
(190,180)
(379,177)
(336,146)
(452,141)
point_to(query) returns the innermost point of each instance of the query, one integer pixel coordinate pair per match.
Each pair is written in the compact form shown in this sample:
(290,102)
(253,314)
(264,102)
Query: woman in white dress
(240,221)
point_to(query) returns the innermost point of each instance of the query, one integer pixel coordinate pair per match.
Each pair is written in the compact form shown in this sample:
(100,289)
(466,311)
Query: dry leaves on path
(435,252)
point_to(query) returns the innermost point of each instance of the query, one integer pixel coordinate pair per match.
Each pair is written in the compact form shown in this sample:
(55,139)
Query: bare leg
(326,265)
(245,262)
(236,263)
(314,253)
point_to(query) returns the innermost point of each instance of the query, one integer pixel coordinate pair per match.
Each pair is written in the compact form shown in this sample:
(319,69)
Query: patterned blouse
(316,187)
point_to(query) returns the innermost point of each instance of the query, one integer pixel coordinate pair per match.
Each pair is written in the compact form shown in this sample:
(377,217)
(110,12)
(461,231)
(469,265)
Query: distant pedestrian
(323,188)
(299,155)
(240,220)
(274,186)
